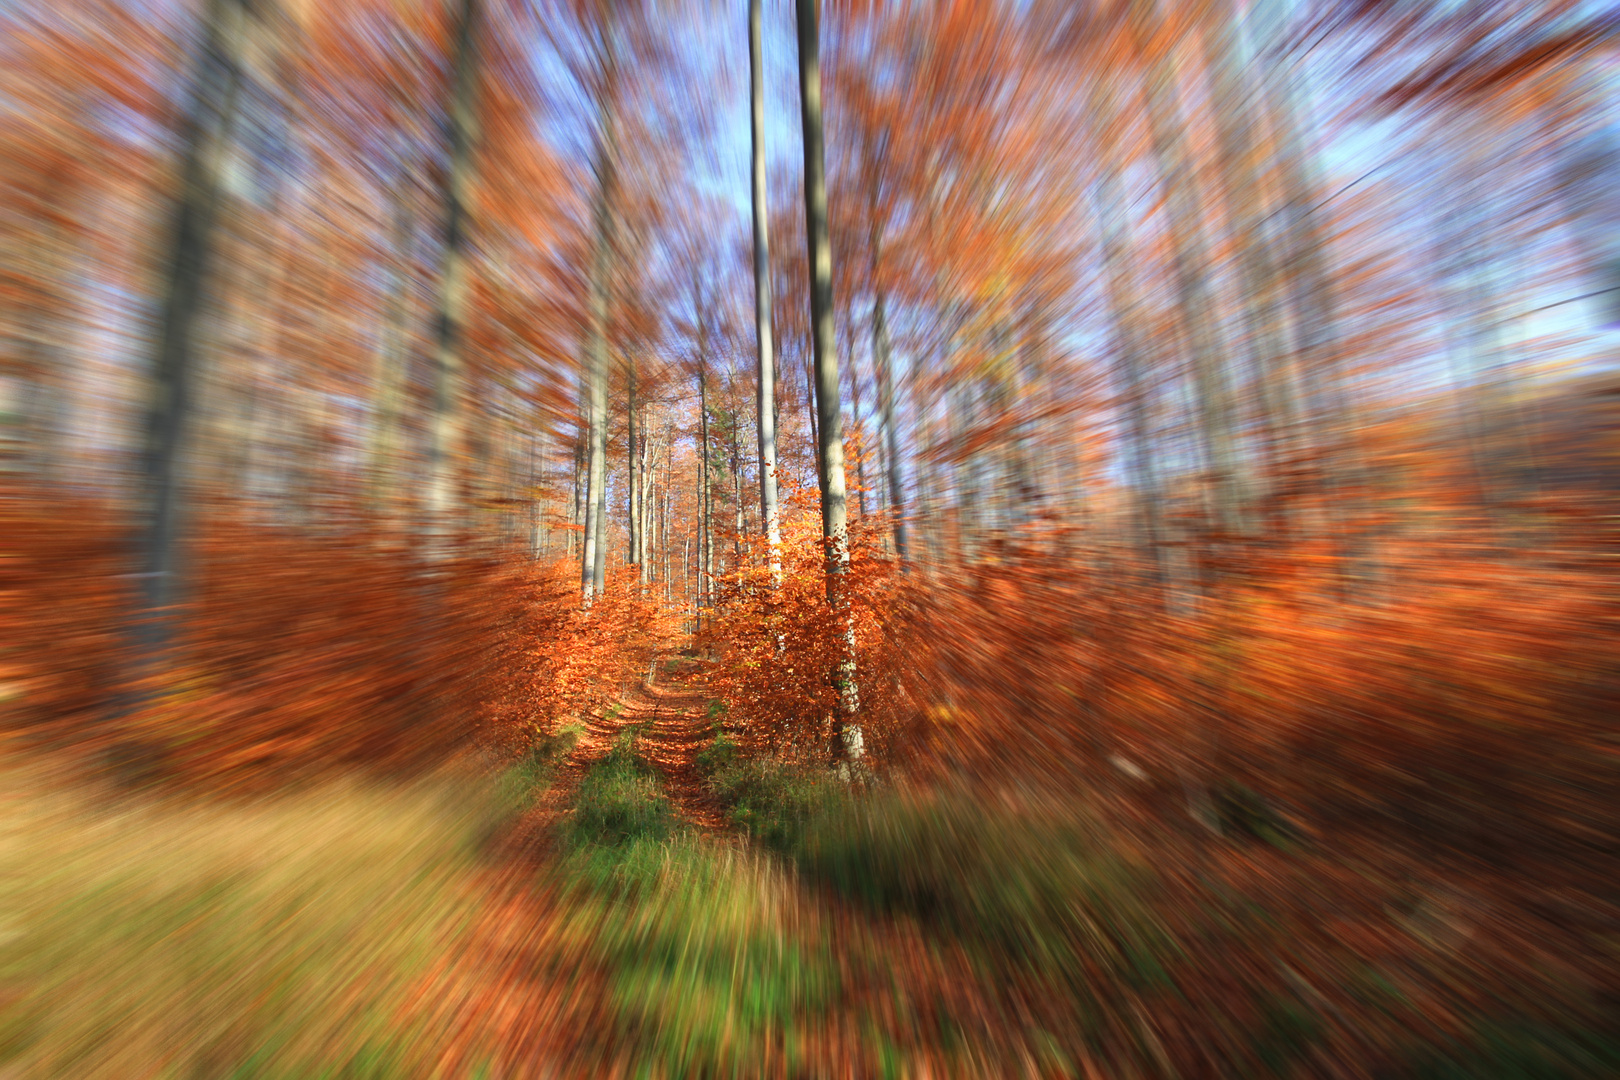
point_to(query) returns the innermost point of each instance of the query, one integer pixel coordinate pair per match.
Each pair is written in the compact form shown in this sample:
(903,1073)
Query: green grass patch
(705,977)
(1520,1051)
(772,801)
(528,779)
(1039,893)
(620,800)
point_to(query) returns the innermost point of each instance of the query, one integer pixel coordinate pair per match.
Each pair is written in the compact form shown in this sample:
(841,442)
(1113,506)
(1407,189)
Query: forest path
(673,713)
(523,988)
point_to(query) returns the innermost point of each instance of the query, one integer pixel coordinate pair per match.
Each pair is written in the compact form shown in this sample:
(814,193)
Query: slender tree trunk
(736,502)
(203,135)
(705,550)
(599,567)
(669,488)
(810,408)
(446,423)
(883,363)
(645,508)
(765,383)
(577,512)
(1241,141)
(860,431)
(1122,299)
(1189,259)
(1286,98)
(633,463)
(848,738)
(390,373)
(593,558)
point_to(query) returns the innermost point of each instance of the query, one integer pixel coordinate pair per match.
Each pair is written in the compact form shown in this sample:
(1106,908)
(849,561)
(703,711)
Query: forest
(771,538)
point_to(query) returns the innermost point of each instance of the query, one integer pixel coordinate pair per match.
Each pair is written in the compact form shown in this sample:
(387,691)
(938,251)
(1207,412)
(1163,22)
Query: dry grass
(282,938)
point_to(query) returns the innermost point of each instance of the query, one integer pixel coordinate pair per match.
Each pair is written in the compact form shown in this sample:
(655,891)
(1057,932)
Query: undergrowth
(620,800)
(528,778)
(707,974)
(771,801)
(286,938)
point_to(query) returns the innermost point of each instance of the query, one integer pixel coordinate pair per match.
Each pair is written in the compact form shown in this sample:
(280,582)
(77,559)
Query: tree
(849,742)
(205,131)
(593,561)
(448,362)
(765,382)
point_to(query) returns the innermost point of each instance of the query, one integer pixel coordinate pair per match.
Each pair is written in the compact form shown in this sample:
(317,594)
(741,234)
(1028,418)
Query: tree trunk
(705,550)
(1122,299)
(1194,295)
(593,559)
(390,374)
(445,425)
(882,362)
(1241,143)
(848,740)
(577,513)
(860,431)
(632,463)
(765,383)
(736,502)
(205,125)
(669,487)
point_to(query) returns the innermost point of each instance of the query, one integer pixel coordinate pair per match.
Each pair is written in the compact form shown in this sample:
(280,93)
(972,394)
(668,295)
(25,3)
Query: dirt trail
(520,991)
(674,710)
(678,728)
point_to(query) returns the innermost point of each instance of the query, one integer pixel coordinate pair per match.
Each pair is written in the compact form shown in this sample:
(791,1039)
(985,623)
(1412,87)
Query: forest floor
(639,898)
(674,723)
(524,997)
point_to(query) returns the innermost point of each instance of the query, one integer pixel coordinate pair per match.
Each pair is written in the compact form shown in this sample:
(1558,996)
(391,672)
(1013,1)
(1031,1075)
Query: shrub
(525,781)
(718,756)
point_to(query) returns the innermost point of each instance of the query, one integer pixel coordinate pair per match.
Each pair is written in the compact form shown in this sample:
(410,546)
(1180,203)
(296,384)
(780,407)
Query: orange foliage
(780,647)
(303,652)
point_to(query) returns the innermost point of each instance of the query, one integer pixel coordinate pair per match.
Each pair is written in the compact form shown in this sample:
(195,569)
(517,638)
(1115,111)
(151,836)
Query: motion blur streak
(776,538)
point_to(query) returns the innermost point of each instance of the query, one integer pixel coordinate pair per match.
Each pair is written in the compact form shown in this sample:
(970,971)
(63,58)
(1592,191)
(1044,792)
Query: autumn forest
(771,538)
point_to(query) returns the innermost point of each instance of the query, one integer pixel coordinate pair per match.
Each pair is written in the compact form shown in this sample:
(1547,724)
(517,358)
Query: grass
(620,800)
(771,801)
(1034,890)
(707,975)
(1521,1052)
(527,780)
(1031,888)
(283,939)
(293,938)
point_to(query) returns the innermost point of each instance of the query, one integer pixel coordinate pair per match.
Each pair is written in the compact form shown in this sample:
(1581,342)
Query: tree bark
(593,559)
(882,363)
(705,551)
(633,464)
(1122,299)
(390,373)
(849,742)
(765,382)
(446,423)
(1189,260)
(205,125)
